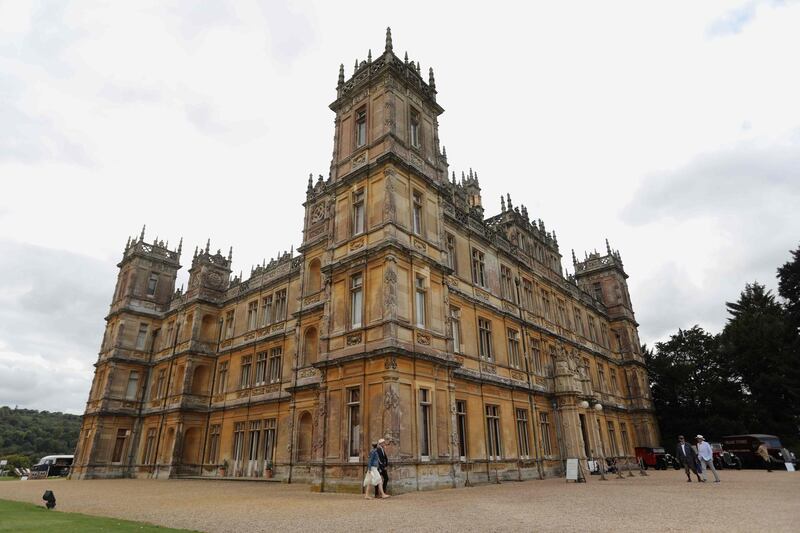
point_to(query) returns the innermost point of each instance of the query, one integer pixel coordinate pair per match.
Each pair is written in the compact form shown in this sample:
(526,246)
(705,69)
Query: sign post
(574,472)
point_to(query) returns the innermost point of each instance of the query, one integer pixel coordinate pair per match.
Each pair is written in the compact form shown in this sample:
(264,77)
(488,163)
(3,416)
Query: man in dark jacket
(688,458)
(383,463)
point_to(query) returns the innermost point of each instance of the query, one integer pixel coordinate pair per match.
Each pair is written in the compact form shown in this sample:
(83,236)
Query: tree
(789,287)
(692,386)
(757,344)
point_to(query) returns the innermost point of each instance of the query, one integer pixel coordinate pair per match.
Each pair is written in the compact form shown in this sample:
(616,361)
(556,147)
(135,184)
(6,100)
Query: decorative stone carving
(318,213)
(519,376)
(390,363)
(391,400)
(488,368)
(451,282)
(390,287)
(389,210)
(354,339)
(423,338)
(359,160)
(482,295)
(458,359)
(308,373)
(356,244)
(421,246)
(311,299)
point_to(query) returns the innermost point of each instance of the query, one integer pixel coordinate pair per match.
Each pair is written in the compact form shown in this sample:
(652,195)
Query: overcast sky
(672,128)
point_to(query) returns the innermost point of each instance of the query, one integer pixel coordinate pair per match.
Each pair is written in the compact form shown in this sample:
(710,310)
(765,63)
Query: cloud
(51,308)
(733,21)
(741,182)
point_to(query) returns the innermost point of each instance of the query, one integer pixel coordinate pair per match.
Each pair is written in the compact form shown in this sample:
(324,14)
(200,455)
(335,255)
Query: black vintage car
(745,446)
(52,466)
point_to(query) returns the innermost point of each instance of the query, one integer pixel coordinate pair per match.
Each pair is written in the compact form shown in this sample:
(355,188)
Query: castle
(406,314)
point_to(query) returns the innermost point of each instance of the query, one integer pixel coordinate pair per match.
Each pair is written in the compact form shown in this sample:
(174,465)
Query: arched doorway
(191,447)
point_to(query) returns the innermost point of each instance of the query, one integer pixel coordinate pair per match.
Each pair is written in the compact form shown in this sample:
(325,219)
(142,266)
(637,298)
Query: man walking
(687,457)
(383,463)
(706,456)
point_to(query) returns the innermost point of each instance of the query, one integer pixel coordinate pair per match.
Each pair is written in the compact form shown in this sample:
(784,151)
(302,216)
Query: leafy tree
(35,434)
(692,386)
(757,344)
(789,287)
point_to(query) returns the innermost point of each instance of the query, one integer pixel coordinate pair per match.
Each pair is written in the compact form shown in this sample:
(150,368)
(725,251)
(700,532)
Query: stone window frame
(462,429)
(356,300)
(417,212)
(360,129)
(478,262)
(353,408)
(425,398)
(485,348)
(523,433)
(420,300)
(494,433)
(358,211)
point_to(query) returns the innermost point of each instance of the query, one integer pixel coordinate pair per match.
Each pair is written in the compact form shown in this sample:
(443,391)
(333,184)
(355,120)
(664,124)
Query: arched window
(310,346)
(314,281)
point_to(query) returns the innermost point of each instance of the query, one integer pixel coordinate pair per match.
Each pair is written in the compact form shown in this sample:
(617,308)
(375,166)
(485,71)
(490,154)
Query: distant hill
(37,433)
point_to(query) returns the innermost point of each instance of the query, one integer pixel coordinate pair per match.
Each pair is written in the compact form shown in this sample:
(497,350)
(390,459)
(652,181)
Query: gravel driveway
(663,501)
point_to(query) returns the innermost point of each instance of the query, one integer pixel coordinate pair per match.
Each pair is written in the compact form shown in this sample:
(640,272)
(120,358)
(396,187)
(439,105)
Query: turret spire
(431,81)
(208,245)
(388,48)
(141,237)
(369,55)
(574,259)
(180,246)
(230,254)
(341,75)
(608,247)
(502,204)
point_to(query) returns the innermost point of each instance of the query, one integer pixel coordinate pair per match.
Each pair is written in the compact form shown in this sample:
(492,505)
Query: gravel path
(663,501)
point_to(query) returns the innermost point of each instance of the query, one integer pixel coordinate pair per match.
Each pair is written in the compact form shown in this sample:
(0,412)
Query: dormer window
(361,127)
(414,128)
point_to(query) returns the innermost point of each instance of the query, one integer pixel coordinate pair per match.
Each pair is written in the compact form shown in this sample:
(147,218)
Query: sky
(670,128)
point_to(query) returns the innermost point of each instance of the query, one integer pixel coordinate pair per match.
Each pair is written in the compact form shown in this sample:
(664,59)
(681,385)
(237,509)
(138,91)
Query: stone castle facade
(406,314)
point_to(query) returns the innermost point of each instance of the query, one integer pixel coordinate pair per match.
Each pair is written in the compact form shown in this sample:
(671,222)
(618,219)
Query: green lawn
(18,516)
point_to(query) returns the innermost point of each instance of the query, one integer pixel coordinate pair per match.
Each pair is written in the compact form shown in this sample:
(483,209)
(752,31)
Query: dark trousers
(689,467)
(385,475)
(767,464)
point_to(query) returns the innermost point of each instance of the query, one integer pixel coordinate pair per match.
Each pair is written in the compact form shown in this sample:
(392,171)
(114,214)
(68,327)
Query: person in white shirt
(706,456)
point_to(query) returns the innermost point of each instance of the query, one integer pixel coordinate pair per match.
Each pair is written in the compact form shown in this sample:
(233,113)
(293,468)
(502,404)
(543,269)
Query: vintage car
(745,446)
(52,466)
(655,458)
(723,458)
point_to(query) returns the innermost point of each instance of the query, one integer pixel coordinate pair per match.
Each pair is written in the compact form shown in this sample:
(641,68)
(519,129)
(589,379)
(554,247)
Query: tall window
(141,337)
(455,328)
(612,438)
(266,310)
(213,443)
(562,314)
(361,127)
(461,422)
(222,377)
(414,128)
(485,338)
(152,283)
(507,283)
(247,363)
(522,434)
(598,291)
(425,424)
(544,429)
(275,355)
(623,433)
(493,444)
(536,355)
(551,363)
(601,377)
(119,445)
(513,348)
(238,441)
(261,368)
(270,425)
(149,447)
(354,422)
(546,305)
(252,440)
(578,322)
(613,374)
(161,383)
(356,300)
(527,292)
(280,305)
(416,217)
(592,330)
(252,315)
(170,330)
(450,245)
(358,212)
(478,268)
(419,301)
(132,391)
(229,324)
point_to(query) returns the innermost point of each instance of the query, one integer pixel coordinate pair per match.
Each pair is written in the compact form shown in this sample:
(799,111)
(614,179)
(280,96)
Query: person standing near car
(764,454)
(688,458)
(706,456)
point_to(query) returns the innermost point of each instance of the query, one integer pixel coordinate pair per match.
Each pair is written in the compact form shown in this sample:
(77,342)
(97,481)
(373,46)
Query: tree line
(26,435)
(745,379)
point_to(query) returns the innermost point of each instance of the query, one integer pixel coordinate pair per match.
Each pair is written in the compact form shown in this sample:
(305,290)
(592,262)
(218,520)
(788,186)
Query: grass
(18,516)
(7,478)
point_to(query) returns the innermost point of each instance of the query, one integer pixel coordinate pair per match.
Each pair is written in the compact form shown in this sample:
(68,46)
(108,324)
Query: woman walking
(373,477)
